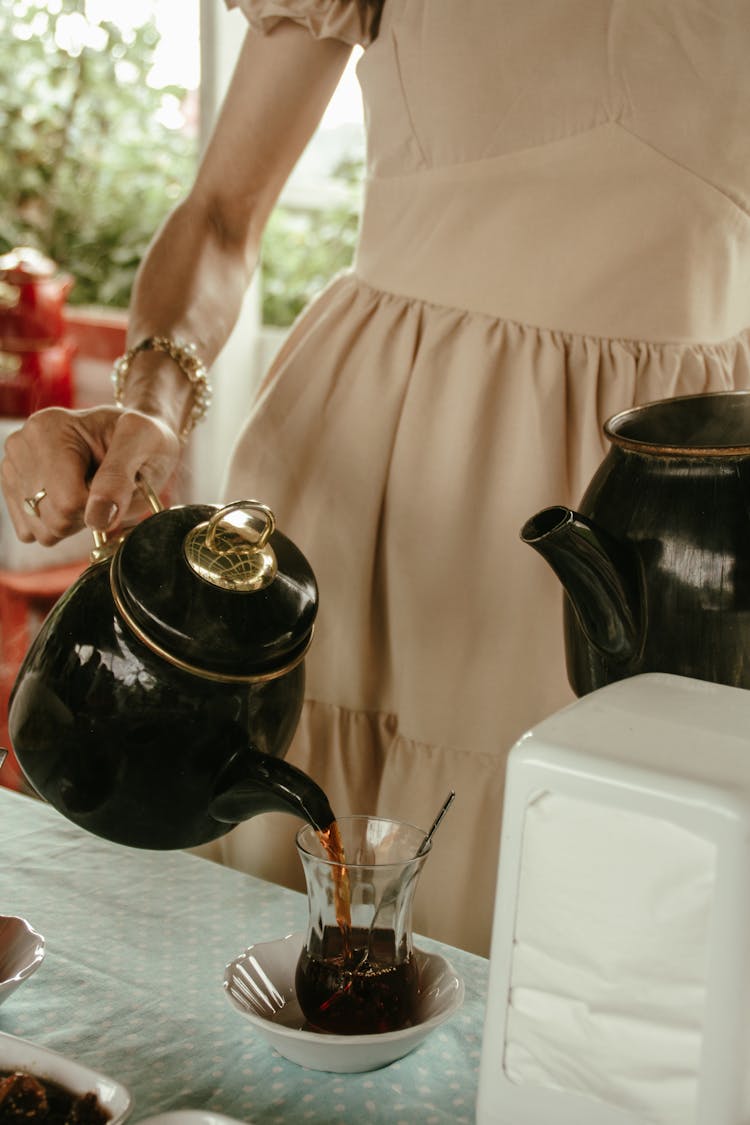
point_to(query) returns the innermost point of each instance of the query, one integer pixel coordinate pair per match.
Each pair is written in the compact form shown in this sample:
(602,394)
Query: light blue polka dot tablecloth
(131,985)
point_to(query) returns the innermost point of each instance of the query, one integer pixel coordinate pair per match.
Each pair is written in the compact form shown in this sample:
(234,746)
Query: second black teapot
(656,562)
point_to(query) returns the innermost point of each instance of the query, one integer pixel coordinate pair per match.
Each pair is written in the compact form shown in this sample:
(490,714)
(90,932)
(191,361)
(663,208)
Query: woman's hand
(87,462)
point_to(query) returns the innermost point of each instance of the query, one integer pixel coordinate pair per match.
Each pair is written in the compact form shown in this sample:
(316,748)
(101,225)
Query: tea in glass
(357,973)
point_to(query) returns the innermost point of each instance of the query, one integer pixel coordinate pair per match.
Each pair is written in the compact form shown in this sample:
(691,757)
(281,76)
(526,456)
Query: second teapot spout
(255,783)
(599,576)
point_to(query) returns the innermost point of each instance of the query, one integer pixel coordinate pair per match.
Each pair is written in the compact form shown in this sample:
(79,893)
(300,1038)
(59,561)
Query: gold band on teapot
(220,677)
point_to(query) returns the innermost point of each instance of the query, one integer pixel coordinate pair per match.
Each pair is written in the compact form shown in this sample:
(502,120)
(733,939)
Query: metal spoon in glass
(392,893)
(428,838)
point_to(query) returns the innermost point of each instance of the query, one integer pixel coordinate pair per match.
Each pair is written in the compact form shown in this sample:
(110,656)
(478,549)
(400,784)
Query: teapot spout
(599,576)
(254,783)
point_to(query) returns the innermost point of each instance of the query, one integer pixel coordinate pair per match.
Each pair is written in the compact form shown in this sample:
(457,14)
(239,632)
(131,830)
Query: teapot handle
(104,547)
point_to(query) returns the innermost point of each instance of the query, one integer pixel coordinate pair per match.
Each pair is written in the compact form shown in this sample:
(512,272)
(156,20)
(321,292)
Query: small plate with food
(38,1085)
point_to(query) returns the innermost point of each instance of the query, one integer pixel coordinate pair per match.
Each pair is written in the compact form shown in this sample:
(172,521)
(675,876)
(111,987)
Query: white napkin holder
(619,988)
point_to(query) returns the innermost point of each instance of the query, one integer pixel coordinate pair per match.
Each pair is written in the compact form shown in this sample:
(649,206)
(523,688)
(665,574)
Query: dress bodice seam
(732,343)
(457,168)
(726,195)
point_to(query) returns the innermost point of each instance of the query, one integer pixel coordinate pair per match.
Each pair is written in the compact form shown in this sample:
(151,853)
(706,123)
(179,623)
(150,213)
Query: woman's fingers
(64,470)
(140,447)
(47,455)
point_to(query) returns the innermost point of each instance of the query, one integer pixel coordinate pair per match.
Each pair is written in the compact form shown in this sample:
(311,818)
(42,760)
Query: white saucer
(189,1117)
(20,1054)
(260,984)
(21,953)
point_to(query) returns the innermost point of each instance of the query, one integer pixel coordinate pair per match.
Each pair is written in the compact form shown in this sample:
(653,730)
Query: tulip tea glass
(357,973)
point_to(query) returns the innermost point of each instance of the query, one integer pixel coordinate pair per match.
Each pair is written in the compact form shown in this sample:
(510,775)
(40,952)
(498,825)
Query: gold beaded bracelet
(190,364)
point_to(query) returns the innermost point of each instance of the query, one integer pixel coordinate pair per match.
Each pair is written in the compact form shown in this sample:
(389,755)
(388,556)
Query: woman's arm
(194,276)
(189,287)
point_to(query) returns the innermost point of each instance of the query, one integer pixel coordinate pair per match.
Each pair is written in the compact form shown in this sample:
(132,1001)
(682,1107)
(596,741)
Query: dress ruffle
(324,19)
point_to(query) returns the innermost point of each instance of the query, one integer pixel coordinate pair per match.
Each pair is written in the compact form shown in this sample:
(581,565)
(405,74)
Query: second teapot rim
(672,427)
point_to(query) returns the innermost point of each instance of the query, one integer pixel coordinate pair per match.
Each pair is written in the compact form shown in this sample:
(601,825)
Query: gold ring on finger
(31,503)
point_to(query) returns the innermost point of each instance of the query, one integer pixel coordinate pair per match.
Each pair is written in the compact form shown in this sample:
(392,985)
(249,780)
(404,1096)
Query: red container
(32,299)
(33,294)
(33,379)
(35,356)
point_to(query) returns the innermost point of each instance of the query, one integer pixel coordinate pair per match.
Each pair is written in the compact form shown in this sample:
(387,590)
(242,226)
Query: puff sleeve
(324,19)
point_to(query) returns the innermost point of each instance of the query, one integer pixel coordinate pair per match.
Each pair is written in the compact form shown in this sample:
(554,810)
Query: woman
(556,227)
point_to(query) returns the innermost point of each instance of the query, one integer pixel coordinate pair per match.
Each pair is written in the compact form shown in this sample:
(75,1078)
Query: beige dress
(556,226)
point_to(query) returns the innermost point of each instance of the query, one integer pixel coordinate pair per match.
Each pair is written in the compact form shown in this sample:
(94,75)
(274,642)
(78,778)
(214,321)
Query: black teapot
(656,563)
(156,703)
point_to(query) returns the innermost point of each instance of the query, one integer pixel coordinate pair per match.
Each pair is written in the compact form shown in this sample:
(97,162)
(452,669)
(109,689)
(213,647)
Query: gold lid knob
(235,556)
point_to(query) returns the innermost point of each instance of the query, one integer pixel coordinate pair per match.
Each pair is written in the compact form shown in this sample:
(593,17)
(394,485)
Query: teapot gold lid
(217,591)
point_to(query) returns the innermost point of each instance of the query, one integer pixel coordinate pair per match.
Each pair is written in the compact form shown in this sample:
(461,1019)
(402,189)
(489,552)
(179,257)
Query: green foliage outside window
(303,248)
(88,169)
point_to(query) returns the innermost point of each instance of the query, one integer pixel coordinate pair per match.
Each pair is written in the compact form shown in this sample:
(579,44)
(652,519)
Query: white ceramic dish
(260,984)
(21,953)
(189,1117)
(20,1054)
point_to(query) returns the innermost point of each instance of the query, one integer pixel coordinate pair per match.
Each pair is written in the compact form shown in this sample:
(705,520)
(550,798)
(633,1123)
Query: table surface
(131,985)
